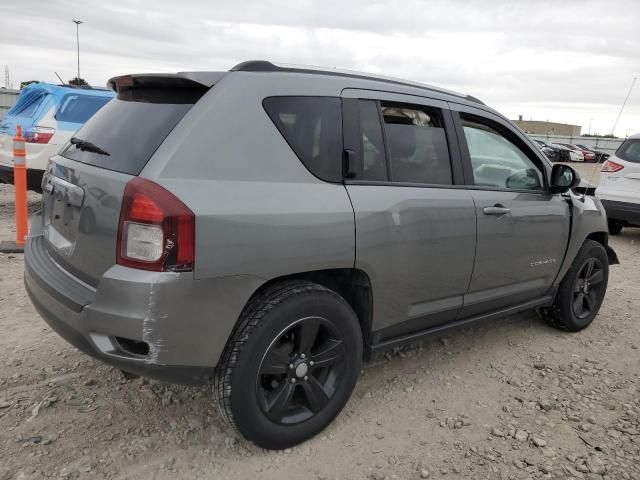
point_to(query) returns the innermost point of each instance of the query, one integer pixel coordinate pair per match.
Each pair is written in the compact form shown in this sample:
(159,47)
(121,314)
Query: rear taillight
(610,167)
(39,134)
(156,230)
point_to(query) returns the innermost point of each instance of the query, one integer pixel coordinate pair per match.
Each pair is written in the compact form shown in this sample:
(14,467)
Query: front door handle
(497,210)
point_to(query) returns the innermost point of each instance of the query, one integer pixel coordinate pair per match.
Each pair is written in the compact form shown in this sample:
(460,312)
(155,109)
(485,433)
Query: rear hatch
(84,185)
(621,172)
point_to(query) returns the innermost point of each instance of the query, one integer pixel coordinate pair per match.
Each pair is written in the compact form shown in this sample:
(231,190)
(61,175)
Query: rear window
(79,108)
(629,150)
(312,126)
(131,127)
(28,103)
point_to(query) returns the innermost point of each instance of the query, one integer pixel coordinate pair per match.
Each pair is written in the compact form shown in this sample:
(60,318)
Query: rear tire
(290,365)
(615,226)
(582,290)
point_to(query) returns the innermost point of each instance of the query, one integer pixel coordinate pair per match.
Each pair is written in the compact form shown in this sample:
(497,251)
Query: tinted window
(497,162)
(131,127)
(374,165)
(629,150)
(417,144)
(79,108)
(312,126)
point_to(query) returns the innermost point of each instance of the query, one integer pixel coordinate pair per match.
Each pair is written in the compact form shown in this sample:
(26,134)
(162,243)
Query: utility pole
(623,105)
(78,22)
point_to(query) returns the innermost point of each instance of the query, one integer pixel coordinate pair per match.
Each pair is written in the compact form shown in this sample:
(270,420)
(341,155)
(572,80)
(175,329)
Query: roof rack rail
(266,66)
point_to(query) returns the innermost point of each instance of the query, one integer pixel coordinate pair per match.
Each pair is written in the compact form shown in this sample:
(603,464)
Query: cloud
(567,61)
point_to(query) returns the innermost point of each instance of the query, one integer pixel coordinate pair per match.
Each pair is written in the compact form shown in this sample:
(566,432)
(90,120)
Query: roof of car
(62,89)
(266,66)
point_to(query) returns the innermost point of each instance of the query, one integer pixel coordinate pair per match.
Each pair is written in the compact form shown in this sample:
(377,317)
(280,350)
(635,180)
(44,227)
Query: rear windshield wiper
(86,146)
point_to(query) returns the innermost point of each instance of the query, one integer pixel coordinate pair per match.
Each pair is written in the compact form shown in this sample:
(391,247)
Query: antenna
(623,105)
(61,81)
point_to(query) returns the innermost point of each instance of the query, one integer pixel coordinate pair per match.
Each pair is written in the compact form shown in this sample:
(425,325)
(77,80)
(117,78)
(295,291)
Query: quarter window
(496,162)
(417,144)
(312,126)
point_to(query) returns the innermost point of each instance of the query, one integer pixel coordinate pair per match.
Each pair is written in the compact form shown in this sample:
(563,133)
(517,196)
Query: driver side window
(497,162)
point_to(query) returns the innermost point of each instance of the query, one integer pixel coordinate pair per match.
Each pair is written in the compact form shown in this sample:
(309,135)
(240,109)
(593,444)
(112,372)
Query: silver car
(270,228)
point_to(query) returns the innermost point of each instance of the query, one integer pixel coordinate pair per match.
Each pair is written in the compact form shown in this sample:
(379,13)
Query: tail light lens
(156,230)
(39,134)
(610,167)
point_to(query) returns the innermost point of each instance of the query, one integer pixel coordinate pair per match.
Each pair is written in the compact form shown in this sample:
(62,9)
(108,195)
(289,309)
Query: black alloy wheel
(301,371)
(587,288)
(581,291)
(291,364)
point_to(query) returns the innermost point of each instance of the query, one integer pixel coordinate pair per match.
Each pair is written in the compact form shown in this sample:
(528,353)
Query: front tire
(582,290)
(291,364)
(615,226)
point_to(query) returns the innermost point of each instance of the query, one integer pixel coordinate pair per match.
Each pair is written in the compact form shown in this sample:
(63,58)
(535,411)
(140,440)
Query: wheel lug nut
(293,380)
(306,378)
(302,355)
(291,366)
(311,363)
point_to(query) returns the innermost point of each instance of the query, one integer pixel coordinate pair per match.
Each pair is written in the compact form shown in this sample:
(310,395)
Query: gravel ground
(511,399)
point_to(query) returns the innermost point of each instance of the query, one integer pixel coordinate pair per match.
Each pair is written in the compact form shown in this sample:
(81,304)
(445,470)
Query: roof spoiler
(178,80)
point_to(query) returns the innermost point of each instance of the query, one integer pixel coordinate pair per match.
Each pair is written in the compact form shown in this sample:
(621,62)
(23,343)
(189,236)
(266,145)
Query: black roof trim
(266,66)
(180,79)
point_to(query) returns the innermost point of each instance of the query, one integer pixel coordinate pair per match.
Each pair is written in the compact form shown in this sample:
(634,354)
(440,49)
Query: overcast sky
(567,61)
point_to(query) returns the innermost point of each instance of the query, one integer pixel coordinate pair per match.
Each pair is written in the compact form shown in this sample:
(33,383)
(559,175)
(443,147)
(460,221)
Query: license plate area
(62,206)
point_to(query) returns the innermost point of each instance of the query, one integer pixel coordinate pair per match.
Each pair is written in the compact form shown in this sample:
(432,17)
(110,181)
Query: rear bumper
(624,211)
(34,177)
(184,323)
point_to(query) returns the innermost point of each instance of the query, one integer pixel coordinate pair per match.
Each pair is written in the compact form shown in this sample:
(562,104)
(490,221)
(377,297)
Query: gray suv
(270,228)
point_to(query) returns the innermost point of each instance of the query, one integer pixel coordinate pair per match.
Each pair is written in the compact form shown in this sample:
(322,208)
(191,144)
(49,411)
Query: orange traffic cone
(20,184)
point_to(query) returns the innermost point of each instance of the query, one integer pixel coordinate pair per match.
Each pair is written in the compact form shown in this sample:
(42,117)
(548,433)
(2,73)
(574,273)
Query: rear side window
(417,143)
(130,128)
(312,126)
(629,150)
(79,108)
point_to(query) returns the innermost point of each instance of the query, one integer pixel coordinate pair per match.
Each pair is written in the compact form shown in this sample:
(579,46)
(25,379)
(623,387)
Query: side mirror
(563,178)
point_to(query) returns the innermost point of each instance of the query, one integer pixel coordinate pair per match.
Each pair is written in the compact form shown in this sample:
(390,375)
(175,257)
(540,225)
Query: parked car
(573,148)
(273,227)
(48,114)
(600,156)
(553,152)
(588,155)
(619,187)
(575,155)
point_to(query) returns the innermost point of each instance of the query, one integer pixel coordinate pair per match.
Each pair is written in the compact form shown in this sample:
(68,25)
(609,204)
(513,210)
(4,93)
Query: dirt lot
(510,399)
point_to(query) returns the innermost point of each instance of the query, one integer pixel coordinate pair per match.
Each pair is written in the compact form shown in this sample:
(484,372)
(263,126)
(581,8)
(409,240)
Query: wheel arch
(603,239)
(352,284)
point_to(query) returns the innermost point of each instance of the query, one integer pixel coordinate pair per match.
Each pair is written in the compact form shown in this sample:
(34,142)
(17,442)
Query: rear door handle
(497,210)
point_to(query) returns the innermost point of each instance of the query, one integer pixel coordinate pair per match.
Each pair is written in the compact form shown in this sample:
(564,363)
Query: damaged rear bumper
(162,325)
